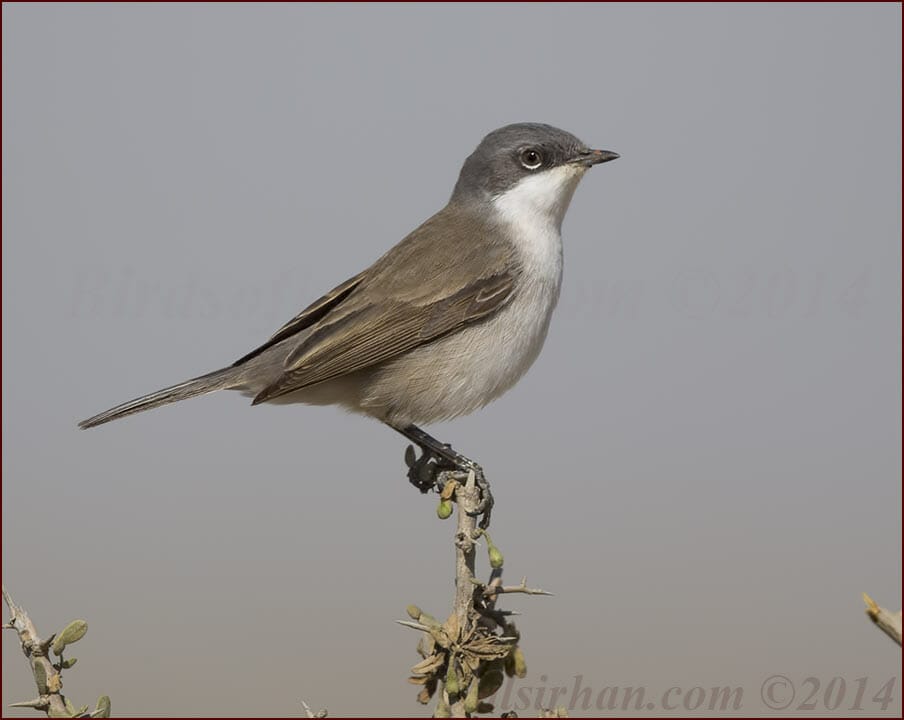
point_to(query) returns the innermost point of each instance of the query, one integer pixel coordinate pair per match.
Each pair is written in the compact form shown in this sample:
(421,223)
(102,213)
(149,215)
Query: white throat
(534,209)
(543,198)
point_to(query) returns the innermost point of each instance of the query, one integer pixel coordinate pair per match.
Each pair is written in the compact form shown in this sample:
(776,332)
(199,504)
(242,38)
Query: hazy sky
(704,464)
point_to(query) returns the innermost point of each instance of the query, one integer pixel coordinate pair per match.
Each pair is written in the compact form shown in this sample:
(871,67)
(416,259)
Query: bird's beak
(589,158)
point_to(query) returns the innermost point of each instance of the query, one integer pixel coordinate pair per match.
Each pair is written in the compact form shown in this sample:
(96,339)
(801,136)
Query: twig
(468,498)
(46,677)
(492,590)
(308,713)
(889,622)
(466,658)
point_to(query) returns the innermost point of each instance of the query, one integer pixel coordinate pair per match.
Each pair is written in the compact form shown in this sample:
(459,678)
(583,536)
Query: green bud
(496,558)
(519,665)
(428,619)
(103,707)
(444,509)
(68,663)
(73,632)
(442,707)
(452,680)
(471,697)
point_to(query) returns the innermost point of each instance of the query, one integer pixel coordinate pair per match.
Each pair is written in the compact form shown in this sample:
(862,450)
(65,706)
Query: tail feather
(217,380)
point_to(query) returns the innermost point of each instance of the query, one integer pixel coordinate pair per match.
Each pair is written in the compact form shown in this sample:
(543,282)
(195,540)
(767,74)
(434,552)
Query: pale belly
(465,371)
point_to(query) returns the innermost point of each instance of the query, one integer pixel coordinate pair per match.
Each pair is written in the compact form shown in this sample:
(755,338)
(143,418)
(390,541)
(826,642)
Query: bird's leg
(427,471)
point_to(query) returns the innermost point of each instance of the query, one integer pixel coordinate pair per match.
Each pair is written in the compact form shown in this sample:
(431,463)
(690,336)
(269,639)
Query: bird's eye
(531,159)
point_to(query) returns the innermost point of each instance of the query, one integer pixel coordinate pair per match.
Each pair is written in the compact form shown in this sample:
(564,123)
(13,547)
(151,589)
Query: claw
(438,464)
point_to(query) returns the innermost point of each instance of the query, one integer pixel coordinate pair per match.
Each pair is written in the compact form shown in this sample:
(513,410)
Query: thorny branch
(889,622)
(47,674)
(466,658)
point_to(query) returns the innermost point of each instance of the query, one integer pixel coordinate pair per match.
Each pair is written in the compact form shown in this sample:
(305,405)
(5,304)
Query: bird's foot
(433,470)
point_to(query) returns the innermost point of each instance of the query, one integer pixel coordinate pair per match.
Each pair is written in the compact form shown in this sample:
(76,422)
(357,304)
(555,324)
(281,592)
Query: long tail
(217,380)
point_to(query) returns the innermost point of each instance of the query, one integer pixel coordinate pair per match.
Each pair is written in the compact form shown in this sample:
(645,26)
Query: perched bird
(443,323)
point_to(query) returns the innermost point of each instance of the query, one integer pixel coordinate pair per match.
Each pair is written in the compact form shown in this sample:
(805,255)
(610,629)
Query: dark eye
(531,159)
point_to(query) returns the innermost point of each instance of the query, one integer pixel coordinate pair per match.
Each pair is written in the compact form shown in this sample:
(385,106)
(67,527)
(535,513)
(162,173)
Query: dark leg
(437,458)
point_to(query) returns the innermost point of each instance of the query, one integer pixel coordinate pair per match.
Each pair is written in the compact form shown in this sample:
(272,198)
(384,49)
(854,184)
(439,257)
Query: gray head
(514,153)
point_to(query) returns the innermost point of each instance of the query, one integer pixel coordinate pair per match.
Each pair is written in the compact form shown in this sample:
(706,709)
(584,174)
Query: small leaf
(442,707)
(103,707)
(496,558)
(414,612)
(471,697)
(444,509)
(427,666)
(452,627)
(448,490)
(452,679)
(426,645)
(520,667)
(40,673)
(73,632)
(68,663)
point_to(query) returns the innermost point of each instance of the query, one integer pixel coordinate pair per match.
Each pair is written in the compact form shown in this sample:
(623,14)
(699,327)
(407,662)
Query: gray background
(704,464)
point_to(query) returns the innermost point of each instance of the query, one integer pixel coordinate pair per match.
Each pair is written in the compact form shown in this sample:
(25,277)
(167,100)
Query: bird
(443,323)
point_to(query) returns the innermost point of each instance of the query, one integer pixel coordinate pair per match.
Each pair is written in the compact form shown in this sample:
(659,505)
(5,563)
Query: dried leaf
(451,627)
(488,648)
(426,645)
(448,490)
(427,666)
(490,682)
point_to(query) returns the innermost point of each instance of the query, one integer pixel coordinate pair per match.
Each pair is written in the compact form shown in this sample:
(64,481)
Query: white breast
(464,372)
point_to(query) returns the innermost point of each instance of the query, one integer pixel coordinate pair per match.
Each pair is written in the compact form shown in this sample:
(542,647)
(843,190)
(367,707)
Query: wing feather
(382,331)
(307,317)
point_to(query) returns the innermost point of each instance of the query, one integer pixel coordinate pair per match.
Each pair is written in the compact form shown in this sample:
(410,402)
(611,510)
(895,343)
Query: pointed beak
(589,158)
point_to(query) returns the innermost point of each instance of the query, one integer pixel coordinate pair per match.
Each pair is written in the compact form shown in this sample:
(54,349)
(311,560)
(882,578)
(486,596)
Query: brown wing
(372,333)
(317,310)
